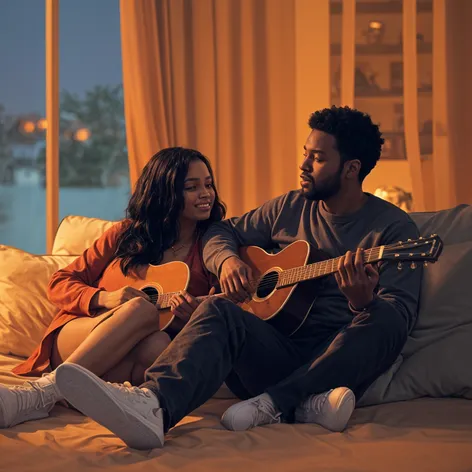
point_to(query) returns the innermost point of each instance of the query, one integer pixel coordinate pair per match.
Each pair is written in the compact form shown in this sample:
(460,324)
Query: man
(354,332)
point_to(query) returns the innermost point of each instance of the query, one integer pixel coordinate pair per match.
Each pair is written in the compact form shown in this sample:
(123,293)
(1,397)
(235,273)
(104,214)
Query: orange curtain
(444,181)
(455,123)
(217,75)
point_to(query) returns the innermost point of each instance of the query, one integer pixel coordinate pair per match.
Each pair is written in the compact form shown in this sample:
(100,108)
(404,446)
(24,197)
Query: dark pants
(222,342)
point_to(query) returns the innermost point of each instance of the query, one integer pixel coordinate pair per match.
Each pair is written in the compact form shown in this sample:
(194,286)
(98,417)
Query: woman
(109,328)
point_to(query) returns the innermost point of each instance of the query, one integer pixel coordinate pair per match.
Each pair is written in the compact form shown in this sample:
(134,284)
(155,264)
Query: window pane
(94,174)
(22,139)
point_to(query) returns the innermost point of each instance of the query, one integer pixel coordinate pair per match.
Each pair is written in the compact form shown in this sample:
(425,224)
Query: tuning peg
(421,237)
(413,265)
(399,266)
(425,264)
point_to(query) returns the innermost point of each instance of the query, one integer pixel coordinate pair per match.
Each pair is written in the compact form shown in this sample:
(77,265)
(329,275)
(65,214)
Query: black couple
(104,354)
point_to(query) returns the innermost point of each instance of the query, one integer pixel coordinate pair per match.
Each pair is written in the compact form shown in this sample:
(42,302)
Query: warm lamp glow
(82,134)
(396,195)
(28,127)
(375,25)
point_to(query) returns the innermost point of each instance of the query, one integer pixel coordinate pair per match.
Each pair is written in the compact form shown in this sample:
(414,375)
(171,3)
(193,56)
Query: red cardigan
(72,288)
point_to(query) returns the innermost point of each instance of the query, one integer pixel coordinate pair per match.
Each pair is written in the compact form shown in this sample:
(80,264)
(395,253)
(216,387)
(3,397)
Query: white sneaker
(331,409)
(132,413)
(31,401)
(256,411)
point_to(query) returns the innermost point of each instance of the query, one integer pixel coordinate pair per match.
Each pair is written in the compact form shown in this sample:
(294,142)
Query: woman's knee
(138,312)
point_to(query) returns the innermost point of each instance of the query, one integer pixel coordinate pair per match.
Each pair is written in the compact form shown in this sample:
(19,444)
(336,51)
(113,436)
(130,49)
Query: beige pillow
(77,233)
(25,311)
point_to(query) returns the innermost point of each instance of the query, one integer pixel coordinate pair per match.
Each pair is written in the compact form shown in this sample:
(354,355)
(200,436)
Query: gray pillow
(436,360)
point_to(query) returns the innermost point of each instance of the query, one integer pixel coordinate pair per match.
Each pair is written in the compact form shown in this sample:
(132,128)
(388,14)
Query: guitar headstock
(426,249)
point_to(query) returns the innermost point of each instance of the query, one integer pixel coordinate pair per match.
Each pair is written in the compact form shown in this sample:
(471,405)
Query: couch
(416,417)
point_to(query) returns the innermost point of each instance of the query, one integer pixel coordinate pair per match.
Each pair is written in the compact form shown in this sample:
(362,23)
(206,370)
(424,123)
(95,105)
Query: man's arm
(223,240)
(398,290)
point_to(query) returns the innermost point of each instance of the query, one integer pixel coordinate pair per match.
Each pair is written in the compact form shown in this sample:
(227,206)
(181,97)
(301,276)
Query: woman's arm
(72,288)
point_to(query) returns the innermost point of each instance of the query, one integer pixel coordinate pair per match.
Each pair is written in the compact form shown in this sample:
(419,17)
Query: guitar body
(159,280)
(285,308)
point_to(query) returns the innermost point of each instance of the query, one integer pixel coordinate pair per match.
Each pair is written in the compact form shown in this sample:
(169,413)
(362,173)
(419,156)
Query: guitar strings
(272,279)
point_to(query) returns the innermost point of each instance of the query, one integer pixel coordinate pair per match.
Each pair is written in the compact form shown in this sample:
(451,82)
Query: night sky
(89,50)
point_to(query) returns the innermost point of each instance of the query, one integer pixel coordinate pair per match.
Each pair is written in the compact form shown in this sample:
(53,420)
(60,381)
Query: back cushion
(76,233)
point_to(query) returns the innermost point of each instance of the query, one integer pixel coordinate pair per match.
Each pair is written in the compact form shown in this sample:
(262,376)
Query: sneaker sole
(345,406)
(86,392)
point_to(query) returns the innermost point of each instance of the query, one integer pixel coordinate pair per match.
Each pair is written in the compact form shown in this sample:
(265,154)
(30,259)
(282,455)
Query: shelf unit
(382,55)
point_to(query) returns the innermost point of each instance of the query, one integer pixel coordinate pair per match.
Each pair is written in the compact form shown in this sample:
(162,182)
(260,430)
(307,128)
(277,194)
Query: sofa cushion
(77,233)
(25,311)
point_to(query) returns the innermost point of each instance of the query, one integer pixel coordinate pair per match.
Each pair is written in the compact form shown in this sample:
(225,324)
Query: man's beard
(325,190)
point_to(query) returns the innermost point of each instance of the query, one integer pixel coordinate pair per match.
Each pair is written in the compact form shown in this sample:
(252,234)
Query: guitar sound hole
(152,292)
(267,284)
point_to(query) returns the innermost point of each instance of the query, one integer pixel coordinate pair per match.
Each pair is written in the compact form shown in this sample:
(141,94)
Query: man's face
(321,167)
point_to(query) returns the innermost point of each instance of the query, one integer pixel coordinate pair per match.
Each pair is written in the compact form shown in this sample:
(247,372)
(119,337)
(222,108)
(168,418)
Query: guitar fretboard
(163,301)
(322,268)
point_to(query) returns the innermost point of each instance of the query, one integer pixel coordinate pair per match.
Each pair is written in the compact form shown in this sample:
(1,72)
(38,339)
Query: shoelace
(265,408)
(30,400)
(316,402)
(135,394)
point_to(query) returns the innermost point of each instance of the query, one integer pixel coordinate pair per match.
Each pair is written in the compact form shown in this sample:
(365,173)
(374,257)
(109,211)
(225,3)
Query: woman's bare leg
(143,355)
(100,348)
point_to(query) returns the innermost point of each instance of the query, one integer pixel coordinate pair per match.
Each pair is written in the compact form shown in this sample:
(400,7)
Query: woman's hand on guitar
(183,305)
(236,279)
(104,299)
(356,280)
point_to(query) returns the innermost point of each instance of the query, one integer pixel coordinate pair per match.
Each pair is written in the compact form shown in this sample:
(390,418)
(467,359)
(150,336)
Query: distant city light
(82,134)
(42,124)
(28,127)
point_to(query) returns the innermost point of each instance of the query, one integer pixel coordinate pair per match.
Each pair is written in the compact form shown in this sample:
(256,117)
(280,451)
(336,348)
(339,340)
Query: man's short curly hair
(357,137)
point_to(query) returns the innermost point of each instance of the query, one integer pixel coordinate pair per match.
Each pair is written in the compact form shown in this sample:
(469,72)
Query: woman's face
(199,194)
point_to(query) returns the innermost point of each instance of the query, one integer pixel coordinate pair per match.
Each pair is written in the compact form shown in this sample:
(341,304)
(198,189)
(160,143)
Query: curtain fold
(410,104)
(219,76)
(454,173)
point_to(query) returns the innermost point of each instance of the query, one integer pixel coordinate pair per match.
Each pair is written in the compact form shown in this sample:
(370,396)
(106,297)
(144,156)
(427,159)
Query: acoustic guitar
(283,295)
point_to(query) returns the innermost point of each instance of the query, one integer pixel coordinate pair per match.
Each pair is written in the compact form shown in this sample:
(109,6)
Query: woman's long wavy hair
(155,207)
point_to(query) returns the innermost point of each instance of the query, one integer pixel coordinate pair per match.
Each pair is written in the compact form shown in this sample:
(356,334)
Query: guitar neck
(320,269)
(162,301)
(289,276)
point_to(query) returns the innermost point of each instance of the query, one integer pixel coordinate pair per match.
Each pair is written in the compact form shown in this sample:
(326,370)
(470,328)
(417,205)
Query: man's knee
(218,307)
(389,325)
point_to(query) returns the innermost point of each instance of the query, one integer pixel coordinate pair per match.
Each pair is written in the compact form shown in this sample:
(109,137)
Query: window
(22,137)
(94,179)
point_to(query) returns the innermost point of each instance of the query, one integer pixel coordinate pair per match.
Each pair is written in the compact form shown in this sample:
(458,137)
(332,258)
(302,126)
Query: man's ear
(352,168)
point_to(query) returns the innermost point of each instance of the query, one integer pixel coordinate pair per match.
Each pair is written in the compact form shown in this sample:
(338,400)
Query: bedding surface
(420,435)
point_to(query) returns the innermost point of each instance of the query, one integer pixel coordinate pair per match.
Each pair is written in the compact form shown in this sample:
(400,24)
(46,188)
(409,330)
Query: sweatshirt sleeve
(399,290)
(223,239)
(72,287)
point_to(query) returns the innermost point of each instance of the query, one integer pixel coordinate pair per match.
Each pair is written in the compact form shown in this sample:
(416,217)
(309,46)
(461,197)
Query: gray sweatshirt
(291,217)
